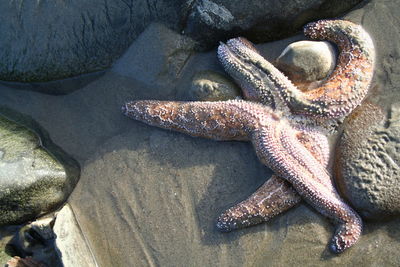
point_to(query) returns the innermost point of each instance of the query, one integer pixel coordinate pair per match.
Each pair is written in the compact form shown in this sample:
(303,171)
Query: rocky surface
(368,161)
(151,197)
(32,180)
(71,243)
(75,37)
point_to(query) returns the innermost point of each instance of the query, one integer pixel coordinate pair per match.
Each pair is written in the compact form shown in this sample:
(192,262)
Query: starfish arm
(277,146)
(337,97)
(222,120)
(348,85)
(274,197)
(257,77)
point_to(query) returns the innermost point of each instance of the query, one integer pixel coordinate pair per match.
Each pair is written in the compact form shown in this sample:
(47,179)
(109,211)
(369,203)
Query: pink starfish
(295,152)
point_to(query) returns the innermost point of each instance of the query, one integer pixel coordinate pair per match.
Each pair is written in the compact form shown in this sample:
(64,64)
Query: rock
(72,247)
(368,161)
(36,240)
(307,61)
(35,175)
(212,86)
(7,233)
(75,37)
(24,262)
(72,38)
(156,57)
(259,21)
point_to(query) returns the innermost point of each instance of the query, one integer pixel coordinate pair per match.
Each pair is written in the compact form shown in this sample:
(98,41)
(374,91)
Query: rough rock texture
(48,40)
(72,247)
(151,197)
(6,235)
(212,86)
(35,175)
(368,161)
(307,61)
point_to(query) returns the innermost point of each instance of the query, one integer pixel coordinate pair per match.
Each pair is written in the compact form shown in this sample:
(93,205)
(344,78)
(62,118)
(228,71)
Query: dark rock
(43,41)
(75,37)
(35,175)
(259,21)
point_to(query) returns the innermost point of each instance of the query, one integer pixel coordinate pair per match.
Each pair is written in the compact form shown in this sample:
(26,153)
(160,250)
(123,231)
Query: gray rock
(156,57)
(75,37)
(212,86)
(72,247)
(368,162)
(35,175)
(307,61)
(36,240)
(43,41)
(260,21)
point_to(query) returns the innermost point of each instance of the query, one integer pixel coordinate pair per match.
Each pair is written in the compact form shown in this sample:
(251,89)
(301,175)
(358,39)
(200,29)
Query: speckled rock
(307,61)
(35,175)
(368,161)
(212,86)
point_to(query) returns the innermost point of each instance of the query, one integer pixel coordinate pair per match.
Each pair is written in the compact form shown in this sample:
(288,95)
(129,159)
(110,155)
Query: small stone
(212,86)
(367,161)
(36,176)
(307,61)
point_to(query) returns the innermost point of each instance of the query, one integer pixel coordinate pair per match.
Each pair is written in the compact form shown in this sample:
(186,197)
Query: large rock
(44,41)
(35,175)
(368,162)
(260,21)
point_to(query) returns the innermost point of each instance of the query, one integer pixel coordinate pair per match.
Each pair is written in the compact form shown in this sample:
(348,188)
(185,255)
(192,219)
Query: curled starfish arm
(274,197)
(344,90)
(347,86)
(222,120)
(277,146)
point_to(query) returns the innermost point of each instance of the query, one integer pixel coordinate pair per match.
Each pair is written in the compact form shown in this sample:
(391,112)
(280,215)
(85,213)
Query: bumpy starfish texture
(297,153)
(276,143)
(337,97)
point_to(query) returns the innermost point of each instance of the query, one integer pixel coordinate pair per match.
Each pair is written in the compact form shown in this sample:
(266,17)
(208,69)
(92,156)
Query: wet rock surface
(75,37)
(32,181)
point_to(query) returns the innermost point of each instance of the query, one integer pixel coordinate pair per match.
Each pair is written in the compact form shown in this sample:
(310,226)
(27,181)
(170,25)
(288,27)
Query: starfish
(295,151)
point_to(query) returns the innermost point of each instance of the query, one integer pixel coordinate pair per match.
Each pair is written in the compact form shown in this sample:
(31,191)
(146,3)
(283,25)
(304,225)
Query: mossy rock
(36,176)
